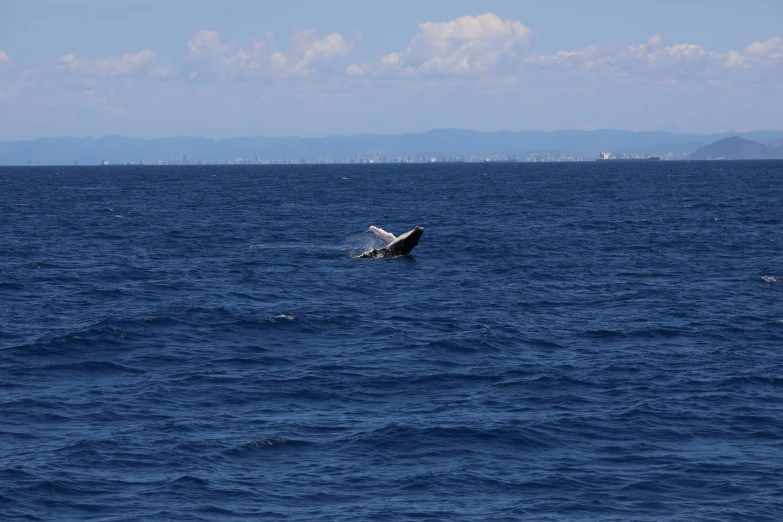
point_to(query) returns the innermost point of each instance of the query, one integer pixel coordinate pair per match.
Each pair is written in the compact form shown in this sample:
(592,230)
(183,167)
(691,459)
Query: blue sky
(221,69)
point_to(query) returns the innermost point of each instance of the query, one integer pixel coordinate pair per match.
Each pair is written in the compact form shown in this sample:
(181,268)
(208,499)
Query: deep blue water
(567,342)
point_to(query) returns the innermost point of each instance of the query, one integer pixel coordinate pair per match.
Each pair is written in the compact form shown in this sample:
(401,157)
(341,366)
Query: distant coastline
(440,145)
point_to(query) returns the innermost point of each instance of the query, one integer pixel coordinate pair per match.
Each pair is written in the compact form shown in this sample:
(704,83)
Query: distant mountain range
(434,143)
(737,147)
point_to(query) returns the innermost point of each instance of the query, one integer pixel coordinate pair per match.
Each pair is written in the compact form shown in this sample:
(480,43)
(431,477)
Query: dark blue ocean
(567,342)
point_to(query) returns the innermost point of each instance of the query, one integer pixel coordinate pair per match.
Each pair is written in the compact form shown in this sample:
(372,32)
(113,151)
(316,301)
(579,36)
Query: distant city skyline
(380,159)
(433,146)
(157,69)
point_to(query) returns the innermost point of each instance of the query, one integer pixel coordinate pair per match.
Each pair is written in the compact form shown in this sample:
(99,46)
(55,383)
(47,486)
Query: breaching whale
(395,246)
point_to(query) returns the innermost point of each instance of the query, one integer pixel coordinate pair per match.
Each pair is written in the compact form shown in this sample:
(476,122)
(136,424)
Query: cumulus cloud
(757,54)
(645,58)
(125,64)
(4,57)
(210,57)
(313,49)
(70,62)
(465,45)
(306,53)
(585,58)
(654,53)
(207,43)
(357,70)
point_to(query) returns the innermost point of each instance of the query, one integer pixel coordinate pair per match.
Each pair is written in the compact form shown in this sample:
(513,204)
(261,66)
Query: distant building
(185,159)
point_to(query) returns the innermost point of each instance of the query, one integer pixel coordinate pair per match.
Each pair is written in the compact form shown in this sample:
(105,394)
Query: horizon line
(434,129)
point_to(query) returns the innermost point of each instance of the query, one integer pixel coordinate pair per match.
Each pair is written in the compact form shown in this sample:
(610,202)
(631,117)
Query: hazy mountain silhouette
(671,127)
(739,148)
(434,143)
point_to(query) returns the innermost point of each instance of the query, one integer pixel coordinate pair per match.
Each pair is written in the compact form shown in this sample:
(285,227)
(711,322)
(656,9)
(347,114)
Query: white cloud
(757,54)
(586,58)
(464,45)
(654,53)
(314,50)
(210,57)
(4,57)
(357,70)
(206,43)
(307,52)
(125,64)
(71,62)
(278,60)
(5,95)
(644,58)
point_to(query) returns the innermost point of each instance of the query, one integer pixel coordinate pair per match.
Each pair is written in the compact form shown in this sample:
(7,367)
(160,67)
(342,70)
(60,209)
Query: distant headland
(739,148)
(431,146)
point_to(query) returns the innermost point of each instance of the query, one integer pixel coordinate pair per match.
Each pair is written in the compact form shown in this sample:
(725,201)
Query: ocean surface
(567,342)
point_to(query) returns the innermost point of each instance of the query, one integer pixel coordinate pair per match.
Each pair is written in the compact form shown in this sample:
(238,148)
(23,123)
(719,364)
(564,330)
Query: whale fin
(381,233)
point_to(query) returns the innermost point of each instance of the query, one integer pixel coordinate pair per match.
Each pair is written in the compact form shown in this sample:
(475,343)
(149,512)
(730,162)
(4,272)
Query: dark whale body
(396,246)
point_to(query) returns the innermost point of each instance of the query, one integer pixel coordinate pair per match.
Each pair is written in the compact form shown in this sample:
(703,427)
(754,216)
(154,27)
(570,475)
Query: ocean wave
(435,439)
(274,441)
(92,367)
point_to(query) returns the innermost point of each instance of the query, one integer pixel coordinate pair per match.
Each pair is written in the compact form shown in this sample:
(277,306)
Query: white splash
(361,243)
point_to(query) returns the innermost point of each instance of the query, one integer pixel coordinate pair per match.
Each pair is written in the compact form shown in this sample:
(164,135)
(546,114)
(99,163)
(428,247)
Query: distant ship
(105,162)
(607,156)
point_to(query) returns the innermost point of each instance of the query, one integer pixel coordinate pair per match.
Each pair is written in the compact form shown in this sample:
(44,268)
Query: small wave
(274,441)
(188,481)
(215,510)
(93,367)
(299,245)
(770,279)
(410,437)
(278,319)
(460,346)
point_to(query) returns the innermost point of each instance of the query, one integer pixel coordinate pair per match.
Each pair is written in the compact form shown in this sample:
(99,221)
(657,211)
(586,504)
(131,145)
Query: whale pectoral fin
(381,233)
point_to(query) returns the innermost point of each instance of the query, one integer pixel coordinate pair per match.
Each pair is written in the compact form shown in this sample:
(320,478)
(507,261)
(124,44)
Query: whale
(395,246)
